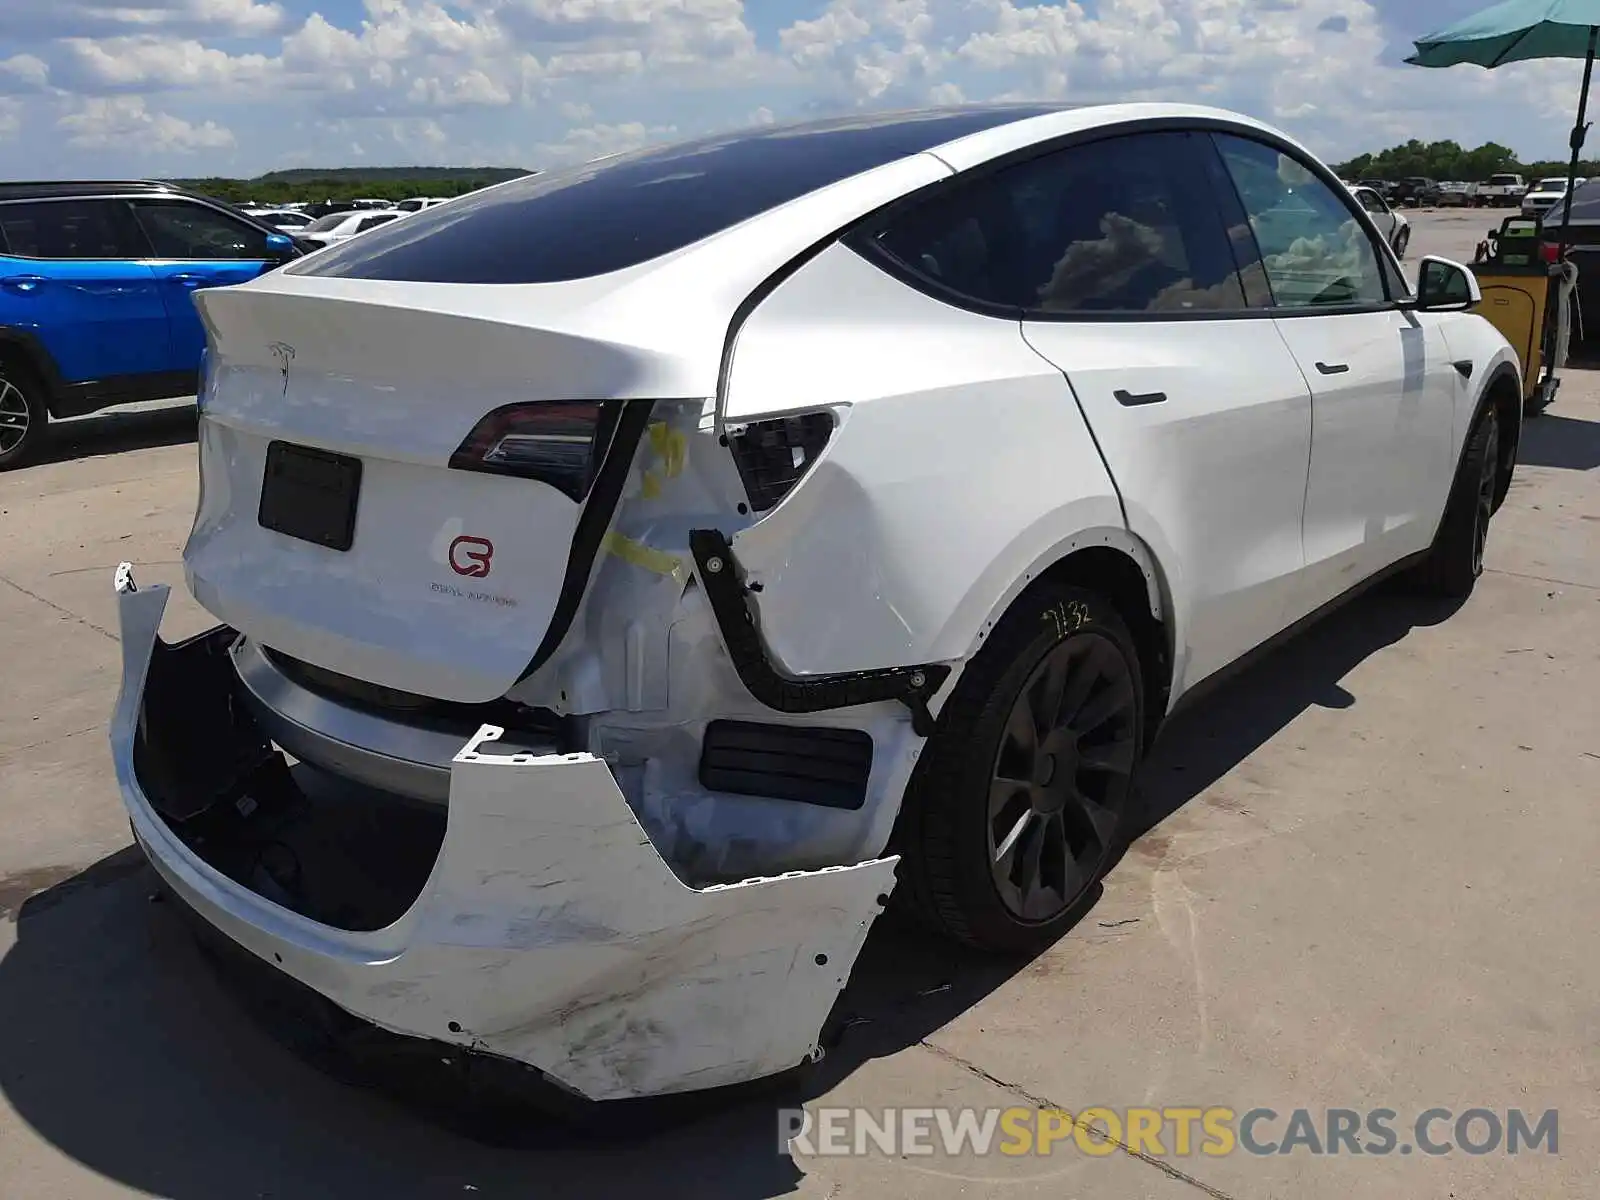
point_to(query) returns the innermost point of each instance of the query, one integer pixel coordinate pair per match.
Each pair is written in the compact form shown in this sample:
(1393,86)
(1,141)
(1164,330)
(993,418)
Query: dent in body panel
(645,669)
(959,459)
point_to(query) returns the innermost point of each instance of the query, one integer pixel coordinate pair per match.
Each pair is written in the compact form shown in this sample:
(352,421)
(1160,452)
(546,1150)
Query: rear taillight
(556,442)
(772,456)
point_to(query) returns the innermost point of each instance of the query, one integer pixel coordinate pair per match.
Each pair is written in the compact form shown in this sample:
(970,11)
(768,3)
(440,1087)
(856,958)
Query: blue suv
(95,295)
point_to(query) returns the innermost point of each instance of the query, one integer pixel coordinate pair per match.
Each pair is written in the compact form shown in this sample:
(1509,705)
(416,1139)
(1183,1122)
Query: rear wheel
(22,414)
(1456,560)
(1018,803)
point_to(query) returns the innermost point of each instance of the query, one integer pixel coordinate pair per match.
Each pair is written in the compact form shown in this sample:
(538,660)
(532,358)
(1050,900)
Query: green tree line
(1450,160)
(350,184)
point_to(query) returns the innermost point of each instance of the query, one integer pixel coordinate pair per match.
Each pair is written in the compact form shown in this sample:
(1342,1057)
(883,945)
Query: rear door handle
(1134,399)
(22,283)
(1333,368)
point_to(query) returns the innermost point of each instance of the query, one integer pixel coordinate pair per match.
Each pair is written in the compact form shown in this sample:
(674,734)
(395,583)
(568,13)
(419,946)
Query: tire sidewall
(1037,624)
(1452,569)
(33,395)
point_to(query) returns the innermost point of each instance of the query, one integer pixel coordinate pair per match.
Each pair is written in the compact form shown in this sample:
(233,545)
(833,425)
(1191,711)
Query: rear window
(618,212)
(70,229)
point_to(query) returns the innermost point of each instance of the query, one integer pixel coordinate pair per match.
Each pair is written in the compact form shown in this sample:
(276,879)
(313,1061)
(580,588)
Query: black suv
(1417,192)
(96,295)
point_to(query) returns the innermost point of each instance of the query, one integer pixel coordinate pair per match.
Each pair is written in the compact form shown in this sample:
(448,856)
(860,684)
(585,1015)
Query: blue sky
(194,87)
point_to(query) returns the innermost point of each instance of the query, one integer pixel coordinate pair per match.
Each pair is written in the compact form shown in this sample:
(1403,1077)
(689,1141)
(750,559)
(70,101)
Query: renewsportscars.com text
(1167,1132)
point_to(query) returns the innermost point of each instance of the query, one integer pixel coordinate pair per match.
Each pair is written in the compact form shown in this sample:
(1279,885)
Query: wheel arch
(1503,389)
(19,345)
(1115,563)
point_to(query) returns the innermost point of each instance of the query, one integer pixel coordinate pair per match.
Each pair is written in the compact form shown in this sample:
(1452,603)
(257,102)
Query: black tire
(1401,242)
(1456,560)
(952,874)
(23,416)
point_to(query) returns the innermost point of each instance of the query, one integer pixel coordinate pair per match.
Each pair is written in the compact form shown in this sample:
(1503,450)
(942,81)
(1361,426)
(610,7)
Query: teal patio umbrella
(1514,31)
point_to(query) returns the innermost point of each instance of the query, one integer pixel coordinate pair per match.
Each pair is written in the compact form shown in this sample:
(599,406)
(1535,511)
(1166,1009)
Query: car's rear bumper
(549,932)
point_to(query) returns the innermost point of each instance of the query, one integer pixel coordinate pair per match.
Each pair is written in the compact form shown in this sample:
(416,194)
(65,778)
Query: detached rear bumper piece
(549,931)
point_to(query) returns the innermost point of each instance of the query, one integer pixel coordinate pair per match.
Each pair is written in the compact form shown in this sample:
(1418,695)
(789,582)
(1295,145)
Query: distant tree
(1448,160)
(350,183)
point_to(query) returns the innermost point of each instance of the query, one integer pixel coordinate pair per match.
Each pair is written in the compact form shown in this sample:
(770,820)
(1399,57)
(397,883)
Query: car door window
(70,229)
(1315,251)
(373,222)
(184,230)
(1120,225)
(1372,202)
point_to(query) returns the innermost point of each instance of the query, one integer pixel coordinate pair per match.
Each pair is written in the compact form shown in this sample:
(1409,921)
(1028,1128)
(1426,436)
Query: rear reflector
(826,767)
(773,455)
(556,442)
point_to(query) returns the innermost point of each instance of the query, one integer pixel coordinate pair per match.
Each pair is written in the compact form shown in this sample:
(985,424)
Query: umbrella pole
(1579,132)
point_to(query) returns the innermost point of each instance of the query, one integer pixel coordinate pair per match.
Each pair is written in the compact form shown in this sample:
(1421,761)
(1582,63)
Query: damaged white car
(625,572)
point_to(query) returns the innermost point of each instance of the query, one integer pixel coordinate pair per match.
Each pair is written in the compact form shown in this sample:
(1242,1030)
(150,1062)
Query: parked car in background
(418,203)
(1416,191)
(1384,187)
(1545,195)
(1390,222)
(97,292)
(342,226)
(1456,194)
(1502,191)
(1583,232)
(288,219)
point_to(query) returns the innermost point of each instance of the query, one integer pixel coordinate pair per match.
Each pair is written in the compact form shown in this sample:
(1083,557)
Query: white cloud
(600,141)
(537,81)
(103,122)
(10,118)
(150,63)
(35,19)
(23,72)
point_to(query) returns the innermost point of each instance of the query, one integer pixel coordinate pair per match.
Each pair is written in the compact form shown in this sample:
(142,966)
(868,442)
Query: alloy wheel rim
(14,416)
(1488,475)
(1061,776)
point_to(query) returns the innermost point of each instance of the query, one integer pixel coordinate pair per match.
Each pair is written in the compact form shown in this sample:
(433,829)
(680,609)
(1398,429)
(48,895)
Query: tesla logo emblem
(284,353)
(470,556)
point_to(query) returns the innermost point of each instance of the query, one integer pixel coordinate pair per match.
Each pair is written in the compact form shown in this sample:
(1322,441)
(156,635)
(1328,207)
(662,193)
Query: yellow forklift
(1528,295)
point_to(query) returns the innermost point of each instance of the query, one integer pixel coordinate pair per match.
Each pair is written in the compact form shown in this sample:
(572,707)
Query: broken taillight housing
(773,455)
(559,442)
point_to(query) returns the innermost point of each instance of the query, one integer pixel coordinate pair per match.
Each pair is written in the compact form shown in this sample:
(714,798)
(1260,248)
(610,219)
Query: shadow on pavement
(124,1051)
(1556,441)
(119,1047)
(1203,743)
(114,432)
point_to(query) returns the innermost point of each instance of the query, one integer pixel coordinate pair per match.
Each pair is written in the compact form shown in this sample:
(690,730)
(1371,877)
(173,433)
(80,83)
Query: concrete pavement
(1368,882)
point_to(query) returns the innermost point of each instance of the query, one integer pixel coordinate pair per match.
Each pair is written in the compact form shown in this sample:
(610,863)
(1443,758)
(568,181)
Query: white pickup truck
(1502,191)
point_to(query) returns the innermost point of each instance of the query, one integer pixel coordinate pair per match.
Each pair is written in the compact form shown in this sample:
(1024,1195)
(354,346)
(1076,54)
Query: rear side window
(183,230)
(70,229)
(622,211)
(1122,225)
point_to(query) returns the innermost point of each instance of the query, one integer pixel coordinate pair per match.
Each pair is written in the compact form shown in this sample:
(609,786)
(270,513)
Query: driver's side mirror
(1446,286)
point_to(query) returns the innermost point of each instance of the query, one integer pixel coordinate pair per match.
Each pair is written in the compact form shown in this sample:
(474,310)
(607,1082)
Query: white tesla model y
(645,564)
